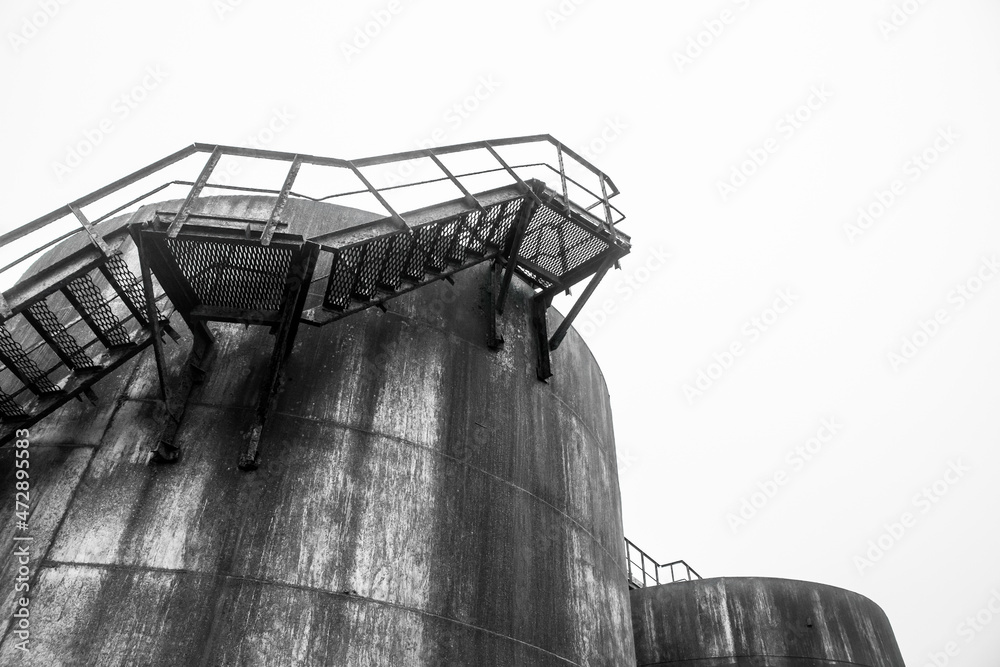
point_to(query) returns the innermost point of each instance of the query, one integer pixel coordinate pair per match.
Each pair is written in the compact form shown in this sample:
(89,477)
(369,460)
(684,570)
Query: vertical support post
(185,210)
(528,208)
(296,289)
(607,216)
(562,177)
(201,347)
(184,299)
(152,317)
(539,306)
(607,211)
(494,337)
(564,326)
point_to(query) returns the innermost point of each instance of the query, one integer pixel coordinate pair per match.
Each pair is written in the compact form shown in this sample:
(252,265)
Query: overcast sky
(802,348)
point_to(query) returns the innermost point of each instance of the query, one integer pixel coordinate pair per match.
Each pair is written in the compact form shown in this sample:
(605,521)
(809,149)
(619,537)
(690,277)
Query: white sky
(675,131)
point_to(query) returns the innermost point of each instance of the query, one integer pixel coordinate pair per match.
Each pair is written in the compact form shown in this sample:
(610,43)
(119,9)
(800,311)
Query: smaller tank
(758,622)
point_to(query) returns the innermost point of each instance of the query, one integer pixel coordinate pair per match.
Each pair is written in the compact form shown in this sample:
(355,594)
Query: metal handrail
(608,188)
(647,572)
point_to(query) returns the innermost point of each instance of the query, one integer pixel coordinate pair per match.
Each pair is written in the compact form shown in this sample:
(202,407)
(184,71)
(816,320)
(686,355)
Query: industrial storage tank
(759,622)
(417,495)
(317,434)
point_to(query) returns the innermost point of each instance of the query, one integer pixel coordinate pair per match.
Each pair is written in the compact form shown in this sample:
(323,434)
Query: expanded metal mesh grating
(554,244)
(503,222)
(234,275)
(557,244)
(458,247)
(370,268)
(395,260)
(475,235)
(9,409)
(42,318)
(23,366)
(435,246)
(343,275)
(423,240)
(87,299)
(129,286)
(447,238)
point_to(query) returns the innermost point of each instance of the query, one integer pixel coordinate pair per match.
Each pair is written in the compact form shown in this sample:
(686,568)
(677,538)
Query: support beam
(296,290)
(539,306)
(494,336)
(153,322)
(167,272)
(588,268)
(528,208)
(564,326)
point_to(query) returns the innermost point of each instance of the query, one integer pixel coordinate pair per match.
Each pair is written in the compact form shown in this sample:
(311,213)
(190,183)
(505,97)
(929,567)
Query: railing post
(279,206)
(607,211)
(95,238)
(397,218)
(184,212)
(469,197)
(562,177)
(524,186)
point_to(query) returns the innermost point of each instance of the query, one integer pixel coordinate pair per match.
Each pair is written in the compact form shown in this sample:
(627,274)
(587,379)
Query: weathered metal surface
(756,622)
(423,500)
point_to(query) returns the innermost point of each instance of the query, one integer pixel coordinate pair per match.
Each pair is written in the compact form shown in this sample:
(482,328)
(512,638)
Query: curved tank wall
(421,500)
(755,622)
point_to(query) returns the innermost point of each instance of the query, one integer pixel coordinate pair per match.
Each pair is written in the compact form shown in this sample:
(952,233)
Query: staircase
(79,311)
(66,326)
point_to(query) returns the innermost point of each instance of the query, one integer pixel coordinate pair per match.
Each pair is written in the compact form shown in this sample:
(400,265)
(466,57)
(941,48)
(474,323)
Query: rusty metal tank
(421,499)
(759,622)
